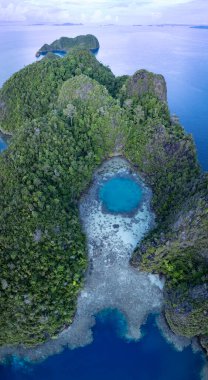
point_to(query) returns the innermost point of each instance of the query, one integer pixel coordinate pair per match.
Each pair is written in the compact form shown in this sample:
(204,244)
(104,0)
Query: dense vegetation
(42,248)
(30,93)
(179,250)
(67,115)
(178,247)
(43,173)
(162,152)
(65,44)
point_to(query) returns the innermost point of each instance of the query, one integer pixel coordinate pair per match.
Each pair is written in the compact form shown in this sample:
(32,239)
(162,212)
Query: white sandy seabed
(110,280)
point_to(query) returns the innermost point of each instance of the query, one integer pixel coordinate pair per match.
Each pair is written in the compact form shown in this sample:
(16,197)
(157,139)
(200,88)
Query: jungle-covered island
(67,116)
(64,44)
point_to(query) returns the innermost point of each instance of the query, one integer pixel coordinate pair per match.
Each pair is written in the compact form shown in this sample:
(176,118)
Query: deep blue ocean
(110,357)
(181,55)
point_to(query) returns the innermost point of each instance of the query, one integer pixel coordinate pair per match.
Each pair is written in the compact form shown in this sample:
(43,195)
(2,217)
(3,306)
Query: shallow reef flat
(52,217)
(110,280)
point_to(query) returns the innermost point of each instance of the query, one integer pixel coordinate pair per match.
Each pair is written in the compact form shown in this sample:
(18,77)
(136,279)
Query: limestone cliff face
(178,246)
(204,342)
(179,250)
(145,82)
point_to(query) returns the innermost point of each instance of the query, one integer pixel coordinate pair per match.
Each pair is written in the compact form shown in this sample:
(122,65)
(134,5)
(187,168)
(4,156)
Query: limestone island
(64,255)
(64,45)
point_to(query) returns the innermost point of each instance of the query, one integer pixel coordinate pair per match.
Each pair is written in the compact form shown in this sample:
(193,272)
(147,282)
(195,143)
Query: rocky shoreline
(89,123)
(110,278)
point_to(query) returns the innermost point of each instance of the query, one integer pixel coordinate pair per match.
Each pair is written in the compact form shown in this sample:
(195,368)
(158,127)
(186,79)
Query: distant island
(64,44)
(57,24)
(68,24)
(173,25)
(200,27)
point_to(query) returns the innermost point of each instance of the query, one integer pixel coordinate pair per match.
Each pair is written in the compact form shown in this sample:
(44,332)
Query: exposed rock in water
(204,342)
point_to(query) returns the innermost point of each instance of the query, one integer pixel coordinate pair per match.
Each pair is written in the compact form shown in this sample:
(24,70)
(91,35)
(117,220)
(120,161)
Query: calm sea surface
(110,357)
(181,55)
(120,195)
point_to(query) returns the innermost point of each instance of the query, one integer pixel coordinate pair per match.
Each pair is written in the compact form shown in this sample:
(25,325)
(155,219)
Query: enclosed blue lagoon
(3,144)
(111,336)
(120,194)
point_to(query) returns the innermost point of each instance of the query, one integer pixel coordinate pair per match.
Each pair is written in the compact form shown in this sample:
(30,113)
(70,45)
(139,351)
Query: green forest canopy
(66,116)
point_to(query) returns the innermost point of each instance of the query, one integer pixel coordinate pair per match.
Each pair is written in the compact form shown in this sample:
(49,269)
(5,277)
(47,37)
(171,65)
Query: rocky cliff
(64,126)
(65,44)
(145,82)
(178,247)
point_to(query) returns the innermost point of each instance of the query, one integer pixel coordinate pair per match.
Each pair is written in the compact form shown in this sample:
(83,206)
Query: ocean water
(179,53)
(112,358)
(3,144)
(120,194)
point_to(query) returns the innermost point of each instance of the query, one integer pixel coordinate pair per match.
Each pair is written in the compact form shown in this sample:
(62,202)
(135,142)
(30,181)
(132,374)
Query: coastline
(112,261)
(5,136)
(5,133)
(109,279)
(95,245)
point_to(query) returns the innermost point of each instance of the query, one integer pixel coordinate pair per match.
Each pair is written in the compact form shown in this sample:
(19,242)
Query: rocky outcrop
(65,44)
(204,342)
(179,250)
(178,247)
(144,82)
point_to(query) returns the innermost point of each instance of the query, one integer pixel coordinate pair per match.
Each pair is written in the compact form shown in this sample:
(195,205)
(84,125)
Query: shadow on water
(110,357)
(63,53)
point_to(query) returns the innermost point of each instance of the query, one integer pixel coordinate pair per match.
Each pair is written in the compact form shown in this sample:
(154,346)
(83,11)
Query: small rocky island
(64,44)
(64,129)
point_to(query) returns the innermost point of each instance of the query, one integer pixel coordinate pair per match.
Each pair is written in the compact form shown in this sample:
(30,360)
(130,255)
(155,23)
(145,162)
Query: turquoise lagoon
(3,144)
(184,66)
(112,354)
(120,194)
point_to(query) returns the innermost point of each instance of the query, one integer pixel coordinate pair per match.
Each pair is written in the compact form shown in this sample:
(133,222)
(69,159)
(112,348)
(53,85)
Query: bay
(112,358)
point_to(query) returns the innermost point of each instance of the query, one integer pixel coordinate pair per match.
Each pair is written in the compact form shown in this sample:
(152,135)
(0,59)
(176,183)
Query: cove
(108,338)
(110,357)
(3,144)
(63,53)
(120,195)
(110,281)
